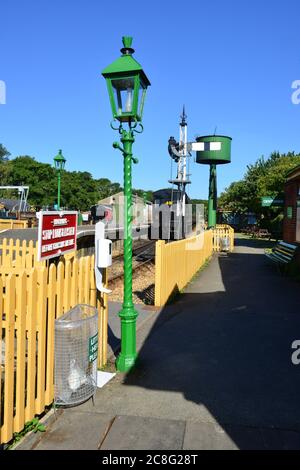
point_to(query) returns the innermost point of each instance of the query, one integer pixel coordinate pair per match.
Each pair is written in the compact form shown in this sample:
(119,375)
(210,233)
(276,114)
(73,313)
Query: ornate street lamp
(59,164)
(127,85)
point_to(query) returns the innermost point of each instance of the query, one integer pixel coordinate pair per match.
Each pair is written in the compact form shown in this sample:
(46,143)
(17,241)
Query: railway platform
(215,370)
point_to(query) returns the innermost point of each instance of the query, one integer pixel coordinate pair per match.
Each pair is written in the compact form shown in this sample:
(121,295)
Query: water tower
(213,150)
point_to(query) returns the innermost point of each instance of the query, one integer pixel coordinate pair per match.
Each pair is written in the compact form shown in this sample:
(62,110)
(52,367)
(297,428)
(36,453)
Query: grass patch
(34,425)
(204,265)
(178,292)
(109,367)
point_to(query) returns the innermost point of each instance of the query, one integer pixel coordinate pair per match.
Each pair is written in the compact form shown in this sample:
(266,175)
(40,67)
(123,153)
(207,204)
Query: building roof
(12,204)
(165,195)
(293,173)
(114,199)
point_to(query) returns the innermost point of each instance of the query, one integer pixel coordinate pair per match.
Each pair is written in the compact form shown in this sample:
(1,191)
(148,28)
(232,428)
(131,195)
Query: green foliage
(107,188)
(34,425)
(266,177)
(238,197)
(79,190)
(4,153)
(141,193)
(199,201)
(40,177)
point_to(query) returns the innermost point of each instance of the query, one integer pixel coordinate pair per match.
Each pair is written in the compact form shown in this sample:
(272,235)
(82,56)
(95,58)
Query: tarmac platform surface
(214,371)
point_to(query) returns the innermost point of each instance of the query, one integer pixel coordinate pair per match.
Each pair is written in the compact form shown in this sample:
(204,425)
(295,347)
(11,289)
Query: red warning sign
(57,233)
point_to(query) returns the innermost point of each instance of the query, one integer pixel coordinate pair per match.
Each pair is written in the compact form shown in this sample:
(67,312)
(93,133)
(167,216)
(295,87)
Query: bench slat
(282,253)
(271,258)
(288,245)
(277,256)
(284,249)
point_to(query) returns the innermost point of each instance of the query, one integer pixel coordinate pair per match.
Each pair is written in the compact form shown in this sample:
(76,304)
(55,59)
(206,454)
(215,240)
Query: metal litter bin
(224,244)
(76,350)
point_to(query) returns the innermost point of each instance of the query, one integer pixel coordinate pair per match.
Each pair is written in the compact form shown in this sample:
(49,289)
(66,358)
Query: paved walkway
(215,370)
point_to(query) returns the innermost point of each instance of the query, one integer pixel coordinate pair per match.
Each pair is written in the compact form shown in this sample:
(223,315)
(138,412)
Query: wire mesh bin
(76,349)
(224,244)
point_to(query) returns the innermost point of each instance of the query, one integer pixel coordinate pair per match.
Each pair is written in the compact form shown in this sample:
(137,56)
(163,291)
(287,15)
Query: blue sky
(231,62)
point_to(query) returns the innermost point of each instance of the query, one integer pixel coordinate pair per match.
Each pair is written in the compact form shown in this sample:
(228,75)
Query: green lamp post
(127,85)
(59,164)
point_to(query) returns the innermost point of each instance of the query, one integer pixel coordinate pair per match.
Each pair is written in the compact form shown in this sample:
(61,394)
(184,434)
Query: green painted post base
(125,363)
(128,356)
(212,197)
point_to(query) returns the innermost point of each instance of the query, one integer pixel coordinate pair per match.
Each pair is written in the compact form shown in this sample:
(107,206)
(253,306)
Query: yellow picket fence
(17,254)
(223,231)
(177,262)
(8,224)
(30,301)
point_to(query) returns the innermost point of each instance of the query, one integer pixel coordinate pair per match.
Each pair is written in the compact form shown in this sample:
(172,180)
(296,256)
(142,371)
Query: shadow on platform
(229,350)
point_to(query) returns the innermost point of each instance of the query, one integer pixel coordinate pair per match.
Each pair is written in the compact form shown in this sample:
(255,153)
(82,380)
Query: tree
(4,154)
(266,177)
(148,195)
(237,197)
(40,177)
(79,190)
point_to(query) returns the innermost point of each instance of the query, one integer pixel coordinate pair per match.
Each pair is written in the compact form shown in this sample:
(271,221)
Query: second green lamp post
(59,164)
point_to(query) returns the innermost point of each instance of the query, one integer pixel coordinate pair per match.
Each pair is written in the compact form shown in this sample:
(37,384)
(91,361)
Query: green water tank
(213,149)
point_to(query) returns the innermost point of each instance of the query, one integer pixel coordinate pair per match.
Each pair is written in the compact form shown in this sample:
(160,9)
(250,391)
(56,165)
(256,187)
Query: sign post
(269,201)
(57,233)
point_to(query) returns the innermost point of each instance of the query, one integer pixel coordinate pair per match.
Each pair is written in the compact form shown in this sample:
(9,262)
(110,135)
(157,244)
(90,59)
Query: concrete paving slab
(114,324)
(207,436)
(76,431)
(137,433)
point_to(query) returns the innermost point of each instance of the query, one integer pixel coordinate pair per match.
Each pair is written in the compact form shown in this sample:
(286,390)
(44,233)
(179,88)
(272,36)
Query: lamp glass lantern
(59,161)
(127,85)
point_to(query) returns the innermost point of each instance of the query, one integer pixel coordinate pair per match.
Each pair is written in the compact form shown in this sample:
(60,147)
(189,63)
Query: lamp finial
(127,49)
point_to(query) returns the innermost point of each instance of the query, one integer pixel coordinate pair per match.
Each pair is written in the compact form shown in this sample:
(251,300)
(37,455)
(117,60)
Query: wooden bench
(262,233)
(282,254)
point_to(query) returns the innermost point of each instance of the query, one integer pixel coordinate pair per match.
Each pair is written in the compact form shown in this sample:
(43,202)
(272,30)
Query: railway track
(142,258)
(137,249)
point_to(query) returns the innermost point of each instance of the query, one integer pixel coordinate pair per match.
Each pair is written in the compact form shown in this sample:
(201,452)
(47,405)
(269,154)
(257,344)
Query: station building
(291,222)
(141,209)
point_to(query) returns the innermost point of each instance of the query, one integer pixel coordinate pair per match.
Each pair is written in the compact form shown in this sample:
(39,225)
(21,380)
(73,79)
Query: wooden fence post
(10,294)
(159,246)
(21,351)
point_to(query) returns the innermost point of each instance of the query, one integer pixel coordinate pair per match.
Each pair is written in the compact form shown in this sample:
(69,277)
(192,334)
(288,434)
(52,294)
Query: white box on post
(103,256)
(104,252)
